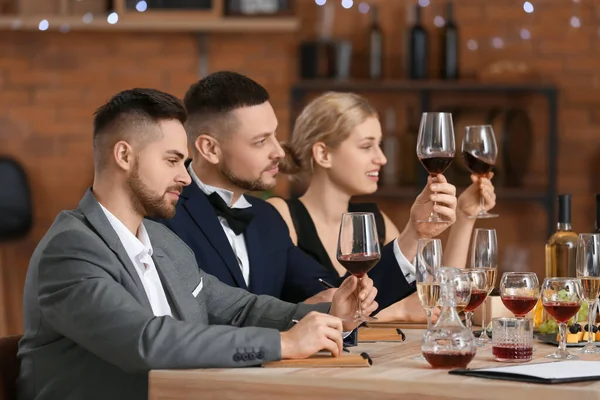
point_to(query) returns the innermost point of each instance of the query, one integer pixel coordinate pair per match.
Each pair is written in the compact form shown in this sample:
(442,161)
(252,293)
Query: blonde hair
(330,118)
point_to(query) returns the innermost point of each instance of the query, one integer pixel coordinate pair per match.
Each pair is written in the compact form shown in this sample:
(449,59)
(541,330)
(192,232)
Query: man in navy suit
(240,239)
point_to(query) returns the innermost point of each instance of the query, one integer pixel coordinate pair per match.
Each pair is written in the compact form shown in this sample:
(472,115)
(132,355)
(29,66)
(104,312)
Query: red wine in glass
(519,305)
(516,352)
(476,165)
(436,165)
(449,360)
(477,298)
(562,311)
(359,264)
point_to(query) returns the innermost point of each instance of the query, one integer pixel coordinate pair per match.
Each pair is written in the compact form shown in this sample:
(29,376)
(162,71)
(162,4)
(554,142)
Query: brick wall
(50,84)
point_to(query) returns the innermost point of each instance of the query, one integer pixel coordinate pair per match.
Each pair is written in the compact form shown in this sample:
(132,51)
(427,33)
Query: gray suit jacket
(89,329)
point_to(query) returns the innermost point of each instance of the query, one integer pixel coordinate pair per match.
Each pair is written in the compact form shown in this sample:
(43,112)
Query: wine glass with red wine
(562,298)
(435,148)
(479,152)
(358,251)
(519,292)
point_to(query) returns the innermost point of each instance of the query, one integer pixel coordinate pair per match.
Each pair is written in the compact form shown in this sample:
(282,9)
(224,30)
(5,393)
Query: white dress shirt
(139,250)
(237,242)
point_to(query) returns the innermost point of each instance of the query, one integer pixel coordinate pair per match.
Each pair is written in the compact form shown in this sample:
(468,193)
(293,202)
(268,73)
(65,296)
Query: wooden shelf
(362,85)
(99,23)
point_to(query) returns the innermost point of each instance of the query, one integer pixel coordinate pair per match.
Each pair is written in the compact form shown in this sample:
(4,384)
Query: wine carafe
(449,344)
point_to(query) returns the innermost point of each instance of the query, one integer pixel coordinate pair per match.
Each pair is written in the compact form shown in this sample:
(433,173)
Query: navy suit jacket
(277,267)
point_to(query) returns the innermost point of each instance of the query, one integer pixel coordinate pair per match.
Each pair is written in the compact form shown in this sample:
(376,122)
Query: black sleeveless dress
(308,238)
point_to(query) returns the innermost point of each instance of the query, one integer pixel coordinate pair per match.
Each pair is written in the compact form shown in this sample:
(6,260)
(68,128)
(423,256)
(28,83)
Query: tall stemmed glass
(435,148)
(519,292)
(479,152)
(484,256)
(561,298)
(478,279)
(587,262)
(358,251)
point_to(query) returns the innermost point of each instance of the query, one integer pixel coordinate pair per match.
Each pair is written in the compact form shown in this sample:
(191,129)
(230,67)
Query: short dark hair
(130,109)
(213,97)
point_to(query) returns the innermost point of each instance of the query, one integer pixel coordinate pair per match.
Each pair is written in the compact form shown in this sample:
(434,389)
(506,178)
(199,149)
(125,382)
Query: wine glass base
(435,220)
(483,216)
(419,358)
(358,318)
(589,349)
(559,355)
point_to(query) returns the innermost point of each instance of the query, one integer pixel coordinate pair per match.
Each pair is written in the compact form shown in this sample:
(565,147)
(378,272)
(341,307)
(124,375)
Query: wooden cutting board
(321,360)
(367,334)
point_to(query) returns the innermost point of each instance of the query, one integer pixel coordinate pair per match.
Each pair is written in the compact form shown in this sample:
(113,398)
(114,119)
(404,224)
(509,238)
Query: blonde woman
(335,146)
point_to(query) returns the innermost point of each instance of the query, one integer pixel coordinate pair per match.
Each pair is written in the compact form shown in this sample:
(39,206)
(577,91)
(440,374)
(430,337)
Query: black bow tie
(237,219)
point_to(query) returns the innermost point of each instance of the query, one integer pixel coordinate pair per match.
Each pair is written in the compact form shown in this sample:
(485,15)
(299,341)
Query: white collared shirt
(139,250)
(237,242)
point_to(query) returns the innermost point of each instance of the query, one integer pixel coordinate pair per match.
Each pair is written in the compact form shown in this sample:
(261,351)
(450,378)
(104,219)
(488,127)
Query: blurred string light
(112,18)
(64,28)
(439,21)
(528,7)
(497,42)
(87,18)
(525,34)
(142,6)
(472,44)
(424,3)
(347,3)
(363,8)
(575,22)
(43,25)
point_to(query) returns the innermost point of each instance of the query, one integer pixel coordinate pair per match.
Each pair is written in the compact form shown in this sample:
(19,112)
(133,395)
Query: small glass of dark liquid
(479,152)
(358,251)
(512,339)
(435,148)
(519,292)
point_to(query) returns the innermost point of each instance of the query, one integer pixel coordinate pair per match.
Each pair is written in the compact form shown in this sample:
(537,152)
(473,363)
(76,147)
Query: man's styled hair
(210,101)
(133,115)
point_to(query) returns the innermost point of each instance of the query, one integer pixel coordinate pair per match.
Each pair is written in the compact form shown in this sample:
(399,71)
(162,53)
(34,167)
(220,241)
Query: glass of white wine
(428,262)
(587,263)
(484,256)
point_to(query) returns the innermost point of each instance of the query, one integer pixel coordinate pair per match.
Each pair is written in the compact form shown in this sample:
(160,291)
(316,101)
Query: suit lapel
(184,303)
(197,205)
(256,258)
(90,207)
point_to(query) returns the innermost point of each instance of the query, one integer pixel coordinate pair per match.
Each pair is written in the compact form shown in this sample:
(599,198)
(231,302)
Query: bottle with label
(375,46)
(561,247)
(450,45)
(418,48)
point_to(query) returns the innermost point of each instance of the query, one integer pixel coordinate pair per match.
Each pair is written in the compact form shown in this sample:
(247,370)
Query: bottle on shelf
(561,246)
(418,47)
(450,45)
(390,149)
(375,45)
(597,223)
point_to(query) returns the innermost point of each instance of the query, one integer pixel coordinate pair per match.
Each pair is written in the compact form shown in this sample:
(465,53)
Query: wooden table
(394,375)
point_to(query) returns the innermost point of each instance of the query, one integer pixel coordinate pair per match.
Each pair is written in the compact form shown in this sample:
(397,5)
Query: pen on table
(326,284)
(295,321)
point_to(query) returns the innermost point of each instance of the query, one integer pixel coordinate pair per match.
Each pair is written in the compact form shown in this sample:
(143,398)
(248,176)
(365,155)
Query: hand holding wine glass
(479,152)
(438,196)
(358,251)
(562,298)
(519,292)
(587,263)
(436,148)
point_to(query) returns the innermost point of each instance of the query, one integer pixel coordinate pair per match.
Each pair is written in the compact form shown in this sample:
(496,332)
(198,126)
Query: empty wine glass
(561,298)
(479,152)
(463,291)
(587,262)
(435,148)
(484,255)
(358,251)
(519,292)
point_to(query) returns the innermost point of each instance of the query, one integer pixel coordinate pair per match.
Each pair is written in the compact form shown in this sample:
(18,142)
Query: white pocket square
(198,289)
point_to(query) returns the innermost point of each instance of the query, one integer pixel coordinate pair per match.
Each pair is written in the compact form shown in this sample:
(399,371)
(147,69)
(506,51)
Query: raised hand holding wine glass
(358,251)
(479,152)
(435,148)
(587,262)
(561,298)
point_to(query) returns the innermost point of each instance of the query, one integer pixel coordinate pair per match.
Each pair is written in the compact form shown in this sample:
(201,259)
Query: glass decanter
(449,344)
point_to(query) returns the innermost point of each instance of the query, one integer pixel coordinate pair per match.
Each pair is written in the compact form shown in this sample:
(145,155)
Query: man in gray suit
(110,295)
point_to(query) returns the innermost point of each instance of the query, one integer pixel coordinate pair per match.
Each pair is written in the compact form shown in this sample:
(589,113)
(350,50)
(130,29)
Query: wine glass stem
(433,213)
(428,312)
(562,331)
(469,319)
(591,316)
(481,204)
(483,331)
(358,303)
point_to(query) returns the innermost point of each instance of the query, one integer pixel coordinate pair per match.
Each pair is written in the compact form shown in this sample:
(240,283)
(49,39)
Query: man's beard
(148,203)
(253,186)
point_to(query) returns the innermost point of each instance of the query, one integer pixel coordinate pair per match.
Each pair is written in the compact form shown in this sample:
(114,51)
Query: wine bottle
(375,45)
(597,224)
(450,45)
(390,149)
(561,246)
(418,48)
